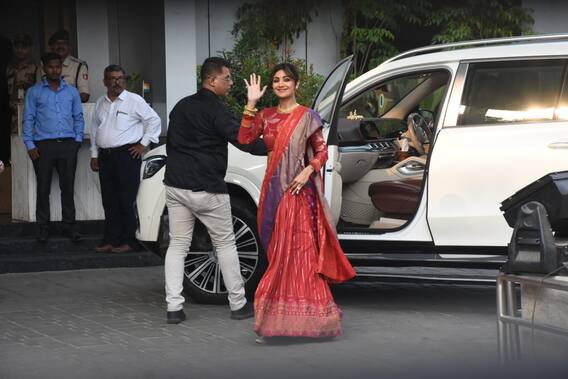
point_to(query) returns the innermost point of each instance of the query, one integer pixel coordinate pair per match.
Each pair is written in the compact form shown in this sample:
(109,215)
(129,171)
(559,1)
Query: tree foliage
(373,29)
(370,27)
(260,30)
(475,19)
(263,23)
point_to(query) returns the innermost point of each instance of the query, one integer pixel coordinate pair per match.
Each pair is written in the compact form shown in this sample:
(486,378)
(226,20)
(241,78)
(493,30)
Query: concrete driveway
(110,323)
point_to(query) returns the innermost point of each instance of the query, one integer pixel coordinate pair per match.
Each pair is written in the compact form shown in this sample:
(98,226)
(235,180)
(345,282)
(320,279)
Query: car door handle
(558,145)
(411,168)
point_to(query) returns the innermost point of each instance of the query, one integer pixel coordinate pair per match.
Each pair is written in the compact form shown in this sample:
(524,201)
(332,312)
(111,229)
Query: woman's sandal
(260,340)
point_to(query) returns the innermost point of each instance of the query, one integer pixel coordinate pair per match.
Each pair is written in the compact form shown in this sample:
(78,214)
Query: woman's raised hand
(254,93)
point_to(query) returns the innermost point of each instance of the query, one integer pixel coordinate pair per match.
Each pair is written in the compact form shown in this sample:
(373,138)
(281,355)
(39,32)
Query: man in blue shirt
(52,132)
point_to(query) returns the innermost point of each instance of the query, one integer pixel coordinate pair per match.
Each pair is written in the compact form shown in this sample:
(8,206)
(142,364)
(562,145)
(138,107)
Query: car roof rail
(480,42)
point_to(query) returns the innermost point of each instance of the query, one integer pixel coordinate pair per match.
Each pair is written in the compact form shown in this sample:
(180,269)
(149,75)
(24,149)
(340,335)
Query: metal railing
(510,309)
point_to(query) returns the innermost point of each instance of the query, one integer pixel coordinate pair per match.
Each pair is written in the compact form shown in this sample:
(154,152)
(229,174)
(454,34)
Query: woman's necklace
(288,109)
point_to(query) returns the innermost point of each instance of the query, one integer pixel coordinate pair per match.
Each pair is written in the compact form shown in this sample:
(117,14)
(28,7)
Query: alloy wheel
(202,267)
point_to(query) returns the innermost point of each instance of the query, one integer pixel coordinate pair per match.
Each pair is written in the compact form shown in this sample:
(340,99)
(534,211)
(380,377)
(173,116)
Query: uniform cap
(22,39)
(58,35)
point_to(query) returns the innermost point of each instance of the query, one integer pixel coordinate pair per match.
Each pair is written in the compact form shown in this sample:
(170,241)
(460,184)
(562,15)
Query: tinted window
(511,92)
(330,90)
(377,101)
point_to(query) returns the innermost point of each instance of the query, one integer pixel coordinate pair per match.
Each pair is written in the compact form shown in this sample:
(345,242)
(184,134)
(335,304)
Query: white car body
(469,170)
(151,199)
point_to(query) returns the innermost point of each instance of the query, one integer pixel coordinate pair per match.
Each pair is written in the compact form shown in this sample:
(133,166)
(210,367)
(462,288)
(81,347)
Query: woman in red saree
(293,297)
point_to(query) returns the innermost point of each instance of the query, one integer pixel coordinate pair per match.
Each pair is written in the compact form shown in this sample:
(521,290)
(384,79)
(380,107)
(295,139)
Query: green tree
(259,31)
(263,23)
(478,19)
(370,27)
(374,30)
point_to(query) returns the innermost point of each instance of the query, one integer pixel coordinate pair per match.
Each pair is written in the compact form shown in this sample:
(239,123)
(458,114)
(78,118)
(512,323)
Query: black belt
(109,150)
(56,139)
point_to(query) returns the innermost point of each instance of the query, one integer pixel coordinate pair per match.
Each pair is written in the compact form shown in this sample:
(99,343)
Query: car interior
(384,136)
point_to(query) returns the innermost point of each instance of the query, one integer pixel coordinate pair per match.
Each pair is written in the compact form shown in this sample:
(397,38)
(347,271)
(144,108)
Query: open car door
(327,104)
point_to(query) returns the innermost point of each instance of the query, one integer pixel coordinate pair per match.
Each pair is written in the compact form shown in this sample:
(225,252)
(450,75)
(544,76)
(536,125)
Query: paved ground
(110,323)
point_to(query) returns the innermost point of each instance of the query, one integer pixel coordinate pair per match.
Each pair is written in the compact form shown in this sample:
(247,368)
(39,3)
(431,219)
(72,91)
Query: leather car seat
(396,198)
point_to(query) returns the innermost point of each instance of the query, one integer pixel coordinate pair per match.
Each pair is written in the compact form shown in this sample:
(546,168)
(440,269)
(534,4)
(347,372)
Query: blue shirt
(50,114)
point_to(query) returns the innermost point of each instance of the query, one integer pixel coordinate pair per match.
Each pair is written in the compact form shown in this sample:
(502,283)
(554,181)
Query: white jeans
(214,211)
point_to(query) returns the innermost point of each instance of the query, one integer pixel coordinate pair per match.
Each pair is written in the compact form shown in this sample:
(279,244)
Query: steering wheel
(418,131)
(420,127)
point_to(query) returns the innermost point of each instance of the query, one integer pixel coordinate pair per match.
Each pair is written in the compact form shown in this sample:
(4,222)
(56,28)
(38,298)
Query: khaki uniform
(20,77)
(73,68)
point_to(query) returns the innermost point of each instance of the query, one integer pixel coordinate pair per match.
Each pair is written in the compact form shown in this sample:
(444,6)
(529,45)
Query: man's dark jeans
(60,154)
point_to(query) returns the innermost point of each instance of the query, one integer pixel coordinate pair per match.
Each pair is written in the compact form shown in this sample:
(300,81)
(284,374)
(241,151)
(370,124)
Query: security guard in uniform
(75,71)
(21,74)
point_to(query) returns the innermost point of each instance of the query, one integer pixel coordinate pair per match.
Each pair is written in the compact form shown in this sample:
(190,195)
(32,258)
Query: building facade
(162,42)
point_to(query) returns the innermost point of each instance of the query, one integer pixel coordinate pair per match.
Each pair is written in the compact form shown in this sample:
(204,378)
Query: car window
(377,101)
(511,92)
(432,103)
(332,90)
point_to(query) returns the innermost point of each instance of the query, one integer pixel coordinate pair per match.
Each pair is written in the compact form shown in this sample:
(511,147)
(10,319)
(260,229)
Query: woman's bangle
(250,112)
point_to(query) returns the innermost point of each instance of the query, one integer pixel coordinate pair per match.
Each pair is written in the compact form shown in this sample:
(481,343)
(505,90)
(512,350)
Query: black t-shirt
(199,129)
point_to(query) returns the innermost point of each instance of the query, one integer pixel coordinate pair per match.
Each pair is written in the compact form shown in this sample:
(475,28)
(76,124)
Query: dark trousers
(61,154)
(119,174)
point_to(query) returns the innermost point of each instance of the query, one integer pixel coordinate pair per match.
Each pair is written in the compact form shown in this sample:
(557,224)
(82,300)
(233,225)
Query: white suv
(483,118)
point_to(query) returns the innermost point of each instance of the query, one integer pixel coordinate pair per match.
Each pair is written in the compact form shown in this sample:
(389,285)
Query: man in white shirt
(123,125)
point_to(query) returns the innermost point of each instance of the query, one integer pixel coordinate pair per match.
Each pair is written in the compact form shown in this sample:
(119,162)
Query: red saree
(293,297)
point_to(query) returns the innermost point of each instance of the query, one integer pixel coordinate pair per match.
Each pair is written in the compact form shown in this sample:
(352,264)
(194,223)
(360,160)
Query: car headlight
(152,165)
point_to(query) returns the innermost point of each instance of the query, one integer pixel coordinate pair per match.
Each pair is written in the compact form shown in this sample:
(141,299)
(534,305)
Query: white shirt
(128,119)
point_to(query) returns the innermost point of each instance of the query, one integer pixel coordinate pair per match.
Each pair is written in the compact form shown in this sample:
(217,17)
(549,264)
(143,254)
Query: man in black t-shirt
(200,128)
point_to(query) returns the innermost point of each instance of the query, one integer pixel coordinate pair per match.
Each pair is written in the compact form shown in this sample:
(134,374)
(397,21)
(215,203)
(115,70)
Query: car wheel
(203,280)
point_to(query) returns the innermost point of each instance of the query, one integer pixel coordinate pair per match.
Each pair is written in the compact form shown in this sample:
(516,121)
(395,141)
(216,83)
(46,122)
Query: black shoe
(72,234)
(176,317)
(247,311)
(43,234)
